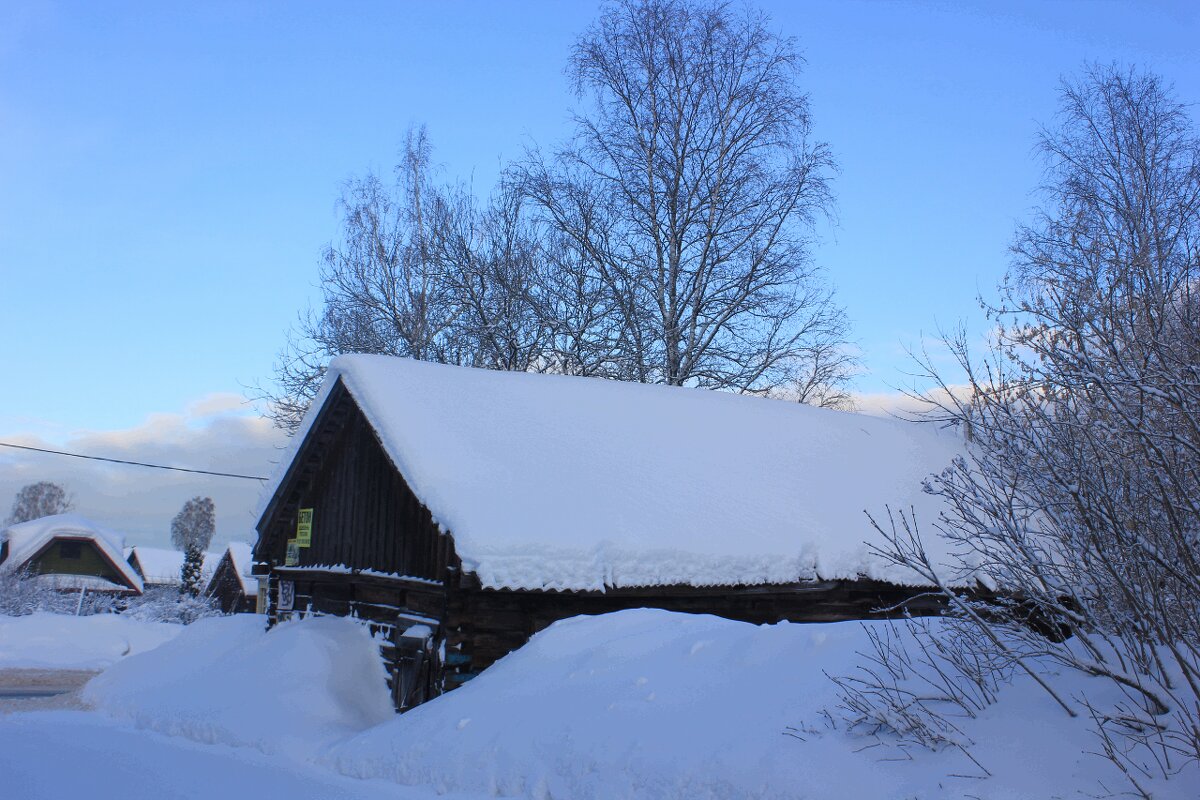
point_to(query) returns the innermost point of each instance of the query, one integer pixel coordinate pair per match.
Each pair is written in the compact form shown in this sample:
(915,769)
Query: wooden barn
(232,585)
(463,510)
(70,553)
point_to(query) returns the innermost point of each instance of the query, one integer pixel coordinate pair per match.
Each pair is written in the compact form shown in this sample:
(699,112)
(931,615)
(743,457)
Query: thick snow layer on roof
(555,482)
(92,583)
(26,539)
(162,566)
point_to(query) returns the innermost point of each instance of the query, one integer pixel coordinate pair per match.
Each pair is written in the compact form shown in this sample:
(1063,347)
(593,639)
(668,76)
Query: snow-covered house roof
(555,482)
(231,584)
(27,540)
(241,556)
(160,566)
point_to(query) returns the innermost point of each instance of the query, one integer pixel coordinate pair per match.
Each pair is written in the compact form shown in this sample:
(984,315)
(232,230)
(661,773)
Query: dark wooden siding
(365,518)
(364,514)
(66,555)
(226,587)
(483,625)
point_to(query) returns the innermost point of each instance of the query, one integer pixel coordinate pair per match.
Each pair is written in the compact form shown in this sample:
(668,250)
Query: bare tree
(37,500)
(491,262)
(384,289)
(422,271)
(1080,493)
(689,194)
(192,531)
(668,244)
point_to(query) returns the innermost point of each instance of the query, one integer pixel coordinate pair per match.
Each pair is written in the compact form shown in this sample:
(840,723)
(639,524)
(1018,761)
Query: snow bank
(56,641)
(53,756)
(647,703)
(293,690)
(640,703)
(556,482)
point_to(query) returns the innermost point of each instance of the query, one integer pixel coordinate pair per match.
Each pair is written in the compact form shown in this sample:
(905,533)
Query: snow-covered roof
(163,566)
(556,482)
(240,555)
(26,539)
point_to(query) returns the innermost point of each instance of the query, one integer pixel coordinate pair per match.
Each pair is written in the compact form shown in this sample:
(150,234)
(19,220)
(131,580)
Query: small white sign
(287,595)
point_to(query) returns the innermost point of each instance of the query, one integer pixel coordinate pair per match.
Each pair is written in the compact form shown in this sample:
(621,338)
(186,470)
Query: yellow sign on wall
(304,528)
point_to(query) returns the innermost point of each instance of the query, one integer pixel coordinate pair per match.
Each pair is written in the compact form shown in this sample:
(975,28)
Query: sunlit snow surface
(291,691)
(654,704)
(636,704)
(556,482)
(58,641)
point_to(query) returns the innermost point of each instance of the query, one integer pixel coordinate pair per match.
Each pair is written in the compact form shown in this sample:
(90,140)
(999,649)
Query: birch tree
(689,195)
(383,288)
(423,270)
(37,500)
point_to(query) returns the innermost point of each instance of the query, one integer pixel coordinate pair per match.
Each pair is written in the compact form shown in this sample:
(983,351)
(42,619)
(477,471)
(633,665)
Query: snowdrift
(292,691)
(648,703)
(636,704)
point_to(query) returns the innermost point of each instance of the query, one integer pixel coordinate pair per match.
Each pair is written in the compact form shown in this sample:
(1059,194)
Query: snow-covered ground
(57,641)
(107,759)
(637,704)
(294,691)
(648,703)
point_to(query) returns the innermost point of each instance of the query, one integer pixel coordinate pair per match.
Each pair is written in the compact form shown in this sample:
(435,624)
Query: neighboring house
(232,584)
(69,552)
(160,567)
(463,510)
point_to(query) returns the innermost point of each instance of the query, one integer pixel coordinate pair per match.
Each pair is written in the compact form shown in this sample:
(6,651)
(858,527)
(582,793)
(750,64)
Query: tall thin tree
(192,531)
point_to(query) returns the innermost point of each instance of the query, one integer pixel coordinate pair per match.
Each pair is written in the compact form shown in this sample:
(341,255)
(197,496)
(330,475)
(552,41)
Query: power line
(133,463)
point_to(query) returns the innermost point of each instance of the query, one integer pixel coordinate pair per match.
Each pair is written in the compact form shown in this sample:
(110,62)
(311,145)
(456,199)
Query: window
(70,549)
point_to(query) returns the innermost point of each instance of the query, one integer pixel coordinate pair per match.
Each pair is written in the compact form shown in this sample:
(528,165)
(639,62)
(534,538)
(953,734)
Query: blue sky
(169,170)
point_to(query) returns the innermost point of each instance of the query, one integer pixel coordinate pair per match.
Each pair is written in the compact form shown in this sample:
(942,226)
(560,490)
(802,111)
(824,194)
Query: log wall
(365,516)
(483,625)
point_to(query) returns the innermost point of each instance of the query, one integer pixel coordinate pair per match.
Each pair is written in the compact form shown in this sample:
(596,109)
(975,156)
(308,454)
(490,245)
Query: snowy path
(111,760)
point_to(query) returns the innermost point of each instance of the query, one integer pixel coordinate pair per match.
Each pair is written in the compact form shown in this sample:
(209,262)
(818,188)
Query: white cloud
(217,403)
(218,432)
